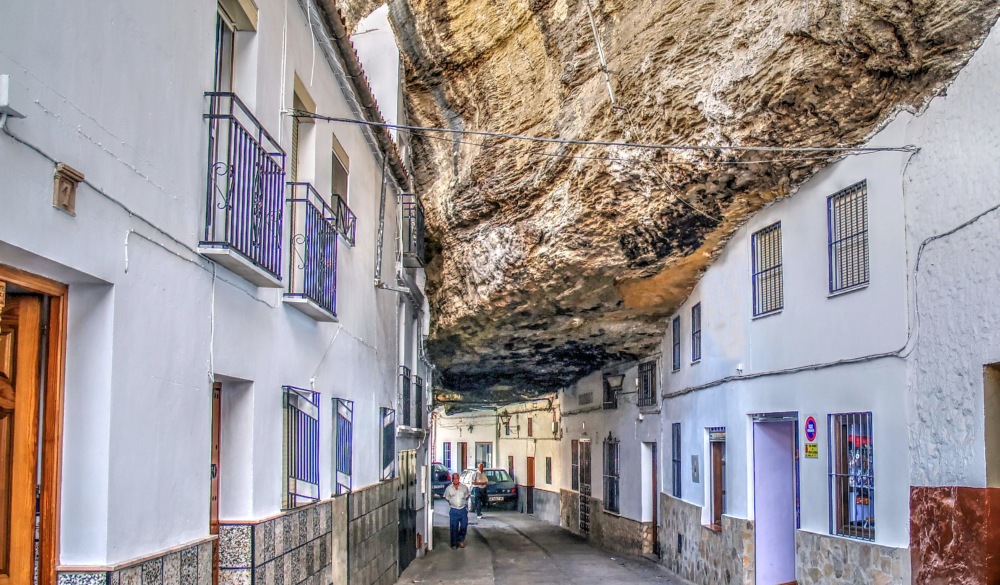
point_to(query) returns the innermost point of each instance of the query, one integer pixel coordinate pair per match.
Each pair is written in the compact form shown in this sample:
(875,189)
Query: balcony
(347,222)
(245,193)
(413,231)
(312,263)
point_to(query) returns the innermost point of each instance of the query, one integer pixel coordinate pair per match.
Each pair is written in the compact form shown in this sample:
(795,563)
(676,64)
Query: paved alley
(509,548)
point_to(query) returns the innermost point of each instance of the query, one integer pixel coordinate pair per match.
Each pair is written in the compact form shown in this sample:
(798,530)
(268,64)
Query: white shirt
(457,497)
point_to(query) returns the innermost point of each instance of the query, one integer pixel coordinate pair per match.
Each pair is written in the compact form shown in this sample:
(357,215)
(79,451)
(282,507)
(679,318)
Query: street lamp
(615,381)
(504,417)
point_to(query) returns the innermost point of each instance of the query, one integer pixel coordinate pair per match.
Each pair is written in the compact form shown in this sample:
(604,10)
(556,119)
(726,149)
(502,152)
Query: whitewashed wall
(109,90)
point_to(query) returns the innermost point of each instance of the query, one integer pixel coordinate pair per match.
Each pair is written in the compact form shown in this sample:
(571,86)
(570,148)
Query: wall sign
(695,476)
(811,429)
(812,451)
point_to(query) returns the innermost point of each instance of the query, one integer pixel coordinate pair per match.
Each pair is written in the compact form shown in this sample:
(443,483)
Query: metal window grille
(413,230)
(852,476)
(301,447)
(418,387)
(612,471)
(548,470)
(585,487)
(610,396)
(696,332)
(246,184)
(675,461)
(647,384)
(675,329)
(574,466)
(768,287)
(717,442)
(388,447)
(531,429)
(404,393)
(847,219)
(446,455)
(343,412)
(312,264)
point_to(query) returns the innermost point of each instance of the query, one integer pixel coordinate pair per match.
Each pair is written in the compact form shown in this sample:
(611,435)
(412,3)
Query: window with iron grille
(768,283)
(647,384)
(343,414)
(717,444)
(548,470)
(696,332)
(612,471)
(610,396)
(388,443)
(675,462)
(301,447)
(847,219)
(418,391)
(675,329)
(446,455)
(506,428)
(574,466)
(404,394)
(852,476)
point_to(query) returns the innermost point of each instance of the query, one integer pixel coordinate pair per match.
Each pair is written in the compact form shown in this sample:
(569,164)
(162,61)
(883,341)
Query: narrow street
(510,548)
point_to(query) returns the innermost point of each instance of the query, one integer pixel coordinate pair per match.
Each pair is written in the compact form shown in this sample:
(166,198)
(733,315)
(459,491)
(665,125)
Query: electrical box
(6,107)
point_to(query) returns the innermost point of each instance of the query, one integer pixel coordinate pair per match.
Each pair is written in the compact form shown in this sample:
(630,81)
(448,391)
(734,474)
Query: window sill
(716,528)
(847,291)
(769,314)
(696,362)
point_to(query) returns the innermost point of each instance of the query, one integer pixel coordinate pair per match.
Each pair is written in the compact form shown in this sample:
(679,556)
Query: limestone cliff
(551,260)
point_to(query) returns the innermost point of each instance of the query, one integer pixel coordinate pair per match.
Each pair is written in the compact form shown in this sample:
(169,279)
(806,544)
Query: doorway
(484,454)
(463,456)
(32,365)
(775,484)
(650,496)
(585,486)
(214,476)
(529,487)
(407,501)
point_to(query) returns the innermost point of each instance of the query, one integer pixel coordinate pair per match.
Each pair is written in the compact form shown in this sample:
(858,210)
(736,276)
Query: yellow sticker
(812,451)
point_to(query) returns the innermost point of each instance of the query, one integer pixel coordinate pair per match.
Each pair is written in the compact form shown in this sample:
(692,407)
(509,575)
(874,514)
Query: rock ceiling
(549,261)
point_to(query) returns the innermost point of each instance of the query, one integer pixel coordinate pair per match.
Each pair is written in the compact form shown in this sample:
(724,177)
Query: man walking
(457,495)
(479,483)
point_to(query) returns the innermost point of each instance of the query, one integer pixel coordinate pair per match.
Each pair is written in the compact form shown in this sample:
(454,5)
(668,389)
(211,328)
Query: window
(574,466)
(531,430)
(852,476)
(696,333)
(301,447)
(446,455)
(612,471)
(484,454)
(676,331)
(510,464)
(388,446)
(768,288)
(404,394)
(675,463)
(225,38)
(647,384)
(610,395)
(418,401)
(340,164)
(548,470)
(847,218)
(717,444)
(343,413)
(506,428)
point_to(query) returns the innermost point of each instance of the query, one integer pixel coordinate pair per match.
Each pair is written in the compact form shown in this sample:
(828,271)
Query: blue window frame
(446,454)
(676,329)
(343,413)
(696,332)
(768,283)
(847,223)
(301,447)
(388,447)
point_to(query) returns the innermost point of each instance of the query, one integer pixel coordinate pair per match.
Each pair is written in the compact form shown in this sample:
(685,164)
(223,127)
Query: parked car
(440,478)
(501,489)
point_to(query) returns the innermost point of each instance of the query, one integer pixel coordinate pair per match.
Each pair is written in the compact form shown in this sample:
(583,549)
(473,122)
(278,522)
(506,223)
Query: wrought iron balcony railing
(347,222)
(413,231)
(312,264)
(245,194)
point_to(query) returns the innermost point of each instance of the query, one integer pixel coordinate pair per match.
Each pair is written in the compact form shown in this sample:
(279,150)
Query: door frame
(771,418)
(52,421)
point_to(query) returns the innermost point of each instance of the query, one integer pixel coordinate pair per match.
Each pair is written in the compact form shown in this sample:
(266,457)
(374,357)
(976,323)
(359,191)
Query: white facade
(117,92)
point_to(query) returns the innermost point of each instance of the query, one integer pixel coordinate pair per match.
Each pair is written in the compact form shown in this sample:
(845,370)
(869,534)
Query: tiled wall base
(373,535)
(617,534)
(955,535)
(704,556)
(188,566)
(831,560)
(569,511)
(291,548)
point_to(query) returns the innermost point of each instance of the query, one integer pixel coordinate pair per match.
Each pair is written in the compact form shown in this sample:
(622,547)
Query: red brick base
(955,535)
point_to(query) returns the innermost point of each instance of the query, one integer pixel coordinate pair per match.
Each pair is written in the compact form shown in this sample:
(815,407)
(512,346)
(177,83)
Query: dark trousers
(459,523)
(478,500)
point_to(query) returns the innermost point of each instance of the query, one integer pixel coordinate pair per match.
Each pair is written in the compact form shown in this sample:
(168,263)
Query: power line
(610,144)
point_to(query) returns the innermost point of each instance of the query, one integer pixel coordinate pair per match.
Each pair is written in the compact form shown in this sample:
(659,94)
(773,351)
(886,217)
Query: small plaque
(812,451)
(695,476)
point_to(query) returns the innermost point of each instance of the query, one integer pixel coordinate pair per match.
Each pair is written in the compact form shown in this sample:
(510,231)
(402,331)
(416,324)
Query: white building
(213,344)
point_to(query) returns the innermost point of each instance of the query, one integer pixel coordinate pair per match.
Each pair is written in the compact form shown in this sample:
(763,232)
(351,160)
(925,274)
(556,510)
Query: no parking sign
(812,449)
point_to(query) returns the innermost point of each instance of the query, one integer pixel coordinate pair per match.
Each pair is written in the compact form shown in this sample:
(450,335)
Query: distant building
(213,304)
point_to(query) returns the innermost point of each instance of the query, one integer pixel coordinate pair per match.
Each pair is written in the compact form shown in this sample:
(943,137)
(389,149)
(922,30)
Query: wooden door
(529,491)
(20,355)
(718,481)
(530,482)
(463,456)
(656,503)
(213,503)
